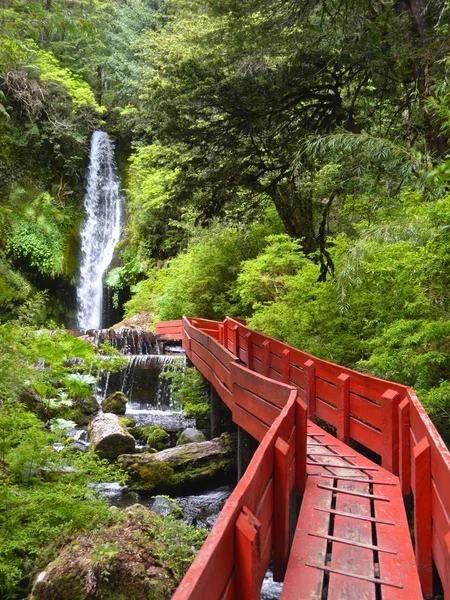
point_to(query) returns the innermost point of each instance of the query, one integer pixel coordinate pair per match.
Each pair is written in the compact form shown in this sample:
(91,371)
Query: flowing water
(104,207)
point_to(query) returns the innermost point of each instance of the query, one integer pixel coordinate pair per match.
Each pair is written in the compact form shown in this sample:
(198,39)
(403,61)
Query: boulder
(190,435)
(109,437)
(124,562)
(115,403)
(165,506)
(183,468)
(84,409)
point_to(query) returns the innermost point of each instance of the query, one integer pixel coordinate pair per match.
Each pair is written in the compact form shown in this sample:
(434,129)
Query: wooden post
(390,401)
(286,357)
(215,404)
(247,555)
(280,509)
(310,372)
(343,408)
(422,514)
(225,334)
(446,584)
(220,330)
(404,447)
(248,342)
(301,418)
(235,332)
(266,357)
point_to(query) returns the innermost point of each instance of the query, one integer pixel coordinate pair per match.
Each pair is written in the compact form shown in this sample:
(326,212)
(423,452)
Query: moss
(115,403)
(149,476)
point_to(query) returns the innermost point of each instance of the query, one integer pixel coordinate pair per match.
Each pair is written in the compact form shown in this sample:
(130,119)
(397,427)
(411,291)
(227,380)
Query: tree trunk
(109,437)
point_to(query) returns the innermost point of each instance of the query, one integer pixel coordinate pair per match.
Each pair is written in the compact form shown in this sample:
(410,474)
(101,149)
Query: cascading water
(104,206)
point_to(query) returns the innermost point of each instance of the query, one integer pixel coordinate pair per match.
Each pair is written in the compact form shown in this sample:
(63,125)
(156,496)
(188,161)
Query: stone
(84,409)
(122,562)
(190,435)
(164,506)
(109,437)
(183,468)
(115,403)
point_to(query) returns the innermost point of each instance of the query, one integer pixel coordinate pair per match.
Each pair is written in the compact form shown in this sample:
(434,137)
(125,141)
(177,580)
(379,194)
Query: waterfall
(104,208)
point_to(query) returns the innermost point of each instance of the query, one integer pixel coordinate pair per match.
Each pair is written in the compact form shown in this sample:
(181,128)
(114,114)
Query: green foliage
(156,437)
(187,389)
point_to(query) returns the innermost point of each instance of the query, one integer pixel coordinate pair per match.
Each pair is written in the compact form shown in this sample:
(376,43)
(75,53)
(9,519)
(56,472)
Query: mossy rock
(129,561)
(190,435)
(181,469)
(84,410)
(115,403)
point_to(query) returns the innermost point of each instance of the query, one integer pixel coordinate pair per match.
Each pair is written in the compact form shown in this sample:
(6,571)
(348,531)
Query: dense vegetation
(284,161)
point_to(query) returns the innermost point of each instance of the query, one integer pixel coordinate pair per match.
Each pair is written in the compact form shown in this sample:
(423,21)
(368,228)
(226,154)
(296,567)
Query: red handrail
(383,416)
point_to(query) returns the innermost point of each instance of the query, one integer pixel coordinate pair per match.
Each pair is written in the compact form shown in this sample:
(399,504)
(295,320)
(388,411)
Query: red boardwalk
(352,539)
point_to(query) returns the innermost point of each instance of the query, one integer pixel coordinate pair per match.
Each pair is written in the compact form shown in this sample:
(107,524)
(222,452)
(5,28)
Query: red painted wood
(343,408)
(276,393)
(401,567)
(348,558)
(440,529)
(258,407)
(247,552)
(390,401)
(299,578)
(286,366)
(249,422)
(310,386)
(234,330)
(297,376)
(365,410)
(281,509)
(326,391)
(266,357)
(422,514)
(326,412)
(405,456)
(362,433)
(301,414)
(249,349)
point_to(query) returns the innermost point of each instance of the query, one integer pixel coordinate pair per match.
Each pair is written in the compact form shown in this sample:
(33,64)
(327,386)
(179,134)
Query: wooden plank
(258,407)
(390,401)
(264,511)
(272,391)
(249,422)
(350,558)
(343,408)
(365,410)
(422,514)
(401,567)
(326,391)
(297,376)
(306,548)
(286,358)
(326,412)
(365,435)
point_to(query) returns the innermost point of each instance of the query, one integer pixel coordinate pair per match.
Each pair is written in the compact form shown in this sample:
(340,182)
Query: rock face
(181,469)
(119,563)
(109,436)
(84,409)
(115,403)
(190,435)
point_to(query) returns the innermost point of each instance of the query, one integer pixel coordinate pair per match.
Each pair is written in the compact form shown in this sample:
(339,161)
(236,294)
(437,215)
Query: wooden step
(352,539)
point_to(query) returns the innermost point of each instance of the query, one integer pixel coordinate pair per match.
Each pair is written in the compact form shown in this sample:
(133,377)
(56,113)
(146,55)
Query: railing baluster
(310,371)
(404,447)
(422,514)
(247,552)
(389,429)
(343,408)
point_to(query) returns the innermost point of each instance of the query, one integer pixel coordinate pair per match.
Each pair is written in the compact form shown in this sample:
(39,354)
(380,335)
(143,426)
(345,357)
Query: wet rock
(115,403)
(84,409)
(182,468)
(121,563)
(190,435)
(109,436)
(30,398)
(164,506)
(71,362)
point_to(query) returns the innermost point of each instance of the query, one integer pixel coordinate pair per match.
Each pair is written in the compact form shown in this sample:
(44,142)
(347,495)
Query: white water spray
(104,207)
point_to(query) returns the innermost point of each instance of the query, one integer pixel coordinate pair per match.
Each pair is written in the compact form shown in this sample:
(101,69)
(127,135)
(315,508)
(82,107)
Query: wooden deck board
(389,559)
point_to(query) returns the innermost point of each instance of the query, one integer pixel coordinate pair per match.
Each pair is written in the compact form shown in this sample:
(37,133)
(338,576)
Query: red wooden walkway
(352,538)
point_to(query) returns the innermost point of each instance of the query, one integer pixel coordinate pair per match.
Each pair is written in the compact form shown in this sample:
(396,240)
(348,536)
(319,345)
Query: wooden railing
(268,385)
